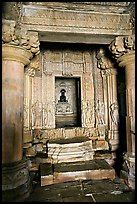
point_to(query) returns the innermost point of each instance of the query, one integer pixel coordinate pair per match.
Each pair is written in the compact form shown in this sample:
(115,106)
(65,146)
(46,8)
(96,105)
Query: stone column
(13,60)
(124,52)
(15,174)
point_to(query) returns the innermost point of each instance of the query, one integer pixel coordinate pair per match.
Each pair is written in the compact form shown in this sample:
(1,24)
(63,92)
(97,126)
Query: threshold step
(72,171)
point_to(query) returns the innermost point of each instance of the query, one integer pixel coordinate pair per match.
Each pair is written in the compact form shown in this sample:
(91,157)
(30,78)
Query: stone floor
(82,191)
(77,181)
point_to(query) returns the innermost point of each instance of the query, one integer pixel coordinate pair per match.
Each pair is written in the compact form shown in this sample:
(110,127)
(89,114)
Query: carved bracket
(122,45)
(12,34)
(103,62)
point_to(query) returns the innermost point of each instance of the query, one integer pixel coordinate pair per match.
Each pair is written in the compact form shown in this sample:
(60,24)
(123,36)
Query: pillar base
(16,185)
(114,143)
(130,163)
(127,173)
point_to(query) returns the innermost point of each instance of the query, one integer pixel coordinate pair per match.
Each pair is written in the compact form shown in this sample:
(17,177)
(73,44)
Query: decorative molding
(16,53)
(30,71)
(108,72)
(131,10)
(33,66)
(14,175)
(86,6)
(65,63)
(44,16)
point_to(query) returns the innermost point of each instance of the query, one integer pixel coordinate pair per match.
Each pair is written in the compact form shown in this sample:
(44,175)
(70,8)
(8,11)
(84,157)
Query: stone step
(72,171)
(70,150)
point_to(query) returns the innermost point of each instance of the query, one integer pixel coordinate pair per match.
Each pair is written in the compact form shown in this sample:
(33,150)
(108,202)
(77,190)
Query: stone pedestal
(15,177)
(130,163)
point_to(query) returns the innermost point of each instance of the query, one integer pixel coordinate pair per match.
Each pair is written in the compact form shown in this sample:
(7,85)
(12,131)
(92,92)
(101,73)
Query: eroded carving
(37,113)
(122,45)
(88,113)
(64,62)
(77,19)
(12,34)
(14,175)
(100,113)
(33,66)
(103,61)
(114,113)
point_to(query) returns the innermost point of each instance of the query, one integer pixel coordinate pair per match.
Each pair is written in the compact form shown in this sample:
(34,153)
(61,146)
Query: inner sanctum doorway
(67,102)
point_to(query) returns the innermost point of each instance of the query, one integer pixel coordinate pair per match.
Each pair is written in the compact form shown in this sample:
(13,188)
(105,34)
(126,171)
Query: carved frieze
(42,114)
(63,62)
(60,17)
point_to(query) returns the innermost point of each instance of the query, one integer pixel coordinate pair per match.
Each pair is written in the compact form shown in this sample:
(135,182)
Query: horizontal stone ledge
(77,175)
(77,35)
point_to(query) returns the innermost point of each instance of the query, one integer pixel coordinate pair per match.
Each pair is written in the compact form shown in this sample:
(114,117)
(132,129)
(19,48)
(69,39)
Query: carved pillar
(16,54)
(113,133)
(110,100)
(124,52)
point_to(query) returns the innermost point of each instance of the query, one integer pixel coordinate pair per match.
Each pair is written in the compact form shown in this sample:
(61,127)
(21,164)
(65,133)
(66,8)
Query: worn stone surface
(27,137)
(12,102)
(16,184)
(70,150)
(48,22)
(57,173)
(42,18)
(83,191)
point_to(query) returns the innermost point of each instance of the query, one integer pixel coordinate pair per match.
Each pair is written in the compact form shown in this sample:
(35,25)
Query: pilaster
(108,73)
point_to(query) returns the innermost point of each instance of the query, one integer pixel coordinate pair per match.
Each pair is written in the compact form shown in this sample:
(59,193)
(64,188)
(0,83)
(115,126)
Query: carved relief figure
(114,113)
(50,114)
(100,113)
(37,113)
(88,113)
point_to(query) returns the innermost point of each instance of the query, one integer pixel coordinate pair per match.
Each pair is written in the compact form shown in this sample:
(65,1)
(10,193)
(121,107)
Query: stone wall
(96,98)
